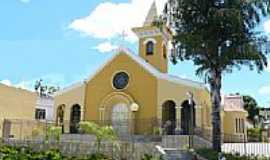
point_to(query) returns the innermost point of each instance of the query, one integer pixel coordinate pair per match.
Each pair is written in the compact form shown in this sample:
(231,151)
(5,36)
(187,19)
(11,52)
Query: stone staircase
(176,154)
(175,148)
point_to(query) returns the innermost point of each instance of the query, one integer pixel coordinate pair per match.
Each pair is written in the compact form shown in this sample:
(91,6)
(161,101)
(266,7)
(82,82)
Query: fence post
(245,144)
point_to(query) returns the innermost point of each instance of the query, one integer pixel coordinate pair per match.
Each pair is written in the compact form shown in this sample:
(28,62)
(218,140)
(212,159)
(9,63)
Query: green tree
(218,36)
(45,90)
(101,132)
(251,107)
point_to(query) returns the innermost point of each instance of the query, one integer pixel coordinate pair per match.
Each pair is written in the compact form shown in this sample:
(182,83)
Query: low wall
(199,142)
(124,150)
(185,142)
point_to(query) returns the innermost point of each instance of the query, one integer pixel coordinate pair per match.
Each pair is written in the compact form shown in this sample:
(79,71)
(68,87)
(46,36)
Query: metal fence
(143,131)
(151,128)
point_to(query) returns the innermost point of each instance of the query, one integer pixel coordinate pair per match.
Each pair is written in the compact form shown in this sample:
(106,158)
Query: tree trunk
(215,87)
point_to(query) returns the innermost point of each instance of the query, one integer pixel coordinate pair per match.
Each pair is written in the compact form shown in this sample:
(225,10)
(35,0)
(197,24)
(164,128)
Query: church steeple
(153,41)
(152,15)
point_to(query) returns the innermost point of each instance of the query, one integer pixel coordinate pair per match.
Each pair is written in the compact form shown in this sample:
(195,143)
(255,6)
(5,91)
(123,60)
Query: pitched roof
(69,88)
(152,15)
(151,69)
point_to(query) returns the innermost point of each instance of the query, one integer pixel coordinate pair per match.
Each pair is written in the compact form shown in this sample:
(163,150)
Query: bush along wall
(25,153)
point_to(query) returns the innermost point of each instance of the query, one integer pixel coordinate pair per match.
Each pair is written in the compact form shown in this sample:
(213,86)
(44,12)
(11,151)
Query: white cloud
(264,90)
(23,84)
(28,85)
(106,47)
(108,20)
(25,1)
(267,26)
(6,82)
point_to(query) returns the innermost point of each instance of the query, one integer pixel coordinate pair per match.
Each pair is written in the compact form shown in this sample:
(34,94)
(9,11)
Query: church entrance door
(120,119)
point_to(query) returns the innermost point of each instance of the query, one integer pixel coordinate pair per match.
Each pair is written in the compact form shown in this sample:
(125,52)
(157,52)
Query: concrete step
(176,154)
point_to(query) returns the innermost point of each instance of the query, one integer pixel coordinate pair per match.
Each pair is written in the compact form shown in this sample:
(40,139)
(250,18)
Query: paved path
(261,149)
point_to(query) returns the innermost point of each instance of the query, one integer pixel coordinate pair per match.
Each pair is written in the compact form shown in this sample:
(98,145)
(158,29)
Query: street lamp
(190,128)
(191,105)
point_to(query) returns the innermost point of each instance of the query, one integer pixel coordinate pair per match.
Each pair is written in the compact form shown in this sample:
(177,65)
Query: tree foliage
(218,36)
(251,107)
(101,132)
(45,90)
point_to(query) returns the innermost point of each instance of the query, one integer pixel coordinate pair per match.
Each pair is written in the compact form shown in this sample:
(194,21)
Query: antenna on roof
(122,37)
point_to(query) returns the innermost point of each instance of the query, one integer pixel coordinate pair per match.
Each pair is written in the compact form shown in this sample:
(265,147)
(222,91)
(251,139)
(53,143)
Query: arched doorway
(75,118)
(169,117)
(60,113)
(188,117)
(120,118)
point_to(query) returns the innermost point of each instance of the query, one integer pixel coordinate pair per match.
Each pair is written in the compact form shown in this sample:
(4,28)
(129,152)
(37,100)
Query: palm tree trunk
(215,87)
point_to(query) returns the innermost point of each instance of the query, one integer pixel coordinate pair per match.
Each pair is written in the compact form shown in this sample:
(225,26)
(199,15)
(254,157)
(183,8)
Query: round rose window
(120,80)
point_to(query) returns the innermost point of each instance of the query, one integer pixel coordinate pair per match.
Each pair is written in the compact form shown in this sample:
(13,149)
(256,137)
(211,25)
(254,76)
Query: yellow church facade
(149,95)
(136,95)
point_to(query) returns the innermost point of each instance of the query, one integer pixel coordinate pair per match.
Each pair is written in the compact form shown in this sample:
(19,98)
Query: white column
(178,119)
(159,118)
(101,113)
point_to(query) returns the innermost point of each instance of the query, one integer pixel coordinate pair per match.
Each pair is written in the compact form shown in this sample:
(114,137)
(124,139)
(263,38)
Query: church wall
(229,125)
(16,103)
(142,88)
(73,96)
(178,93)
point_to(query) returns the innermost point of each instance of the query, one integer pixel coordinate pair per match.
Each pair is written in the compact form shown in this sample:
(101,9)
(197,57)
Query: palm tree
(218,36)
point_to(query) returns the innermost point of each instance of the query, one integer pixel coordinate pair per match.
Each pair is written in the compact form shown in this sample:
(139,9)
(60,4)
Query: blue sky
(65,41)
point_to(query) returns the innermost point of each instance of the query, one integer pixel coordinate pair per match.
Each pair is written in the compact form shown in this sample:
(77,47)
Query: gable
(151,70)
(100,85)
(119,59)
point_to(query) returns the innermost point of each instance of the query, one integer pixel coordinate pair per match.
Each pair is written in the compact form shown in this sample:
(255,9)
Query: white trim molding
(151,69)
(149,40)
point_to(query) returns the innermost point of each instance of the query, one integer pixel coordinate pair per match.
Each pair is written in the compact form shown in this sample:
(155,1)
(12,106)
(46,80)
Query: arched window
(164,52)
(169,117)
(75,118)
(150,48)
(60,113)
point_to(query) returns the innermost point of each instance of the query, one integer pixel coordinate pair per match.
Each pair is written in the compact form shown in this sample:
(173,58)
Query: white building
(44,108)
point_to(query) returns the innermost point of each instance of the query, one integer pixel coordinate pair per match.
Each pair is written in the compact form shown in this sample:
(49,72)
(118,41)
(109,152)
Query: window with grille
(40,114)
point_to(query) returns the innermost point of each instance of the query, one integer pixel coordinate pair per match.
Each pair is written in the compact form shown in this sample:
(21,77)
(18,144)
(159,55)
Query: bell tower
(153,41)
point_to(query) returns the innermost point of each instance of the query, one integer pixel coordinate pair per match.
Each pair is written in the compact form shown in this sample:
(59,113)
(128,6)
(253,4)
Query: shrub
(149,157)
(54,133)
(101,133)
(208,154)
(254,134)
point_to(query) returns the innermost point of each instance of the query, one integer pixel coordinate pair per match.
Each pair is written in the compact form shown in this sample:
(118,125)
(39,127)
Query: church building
(135,94)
